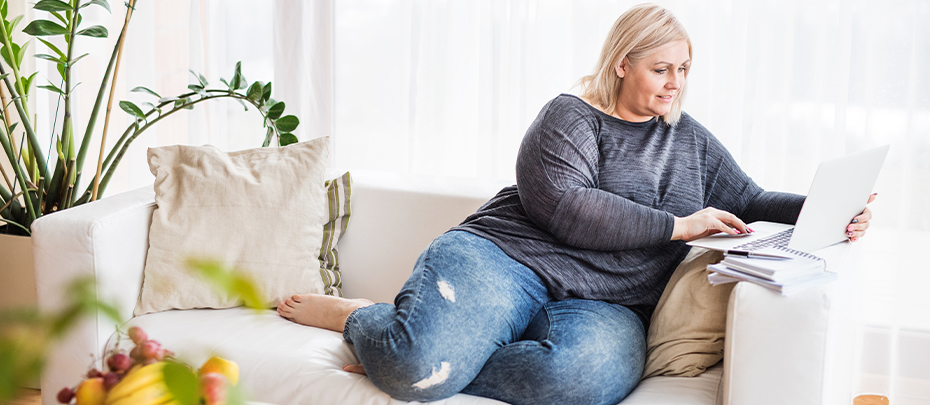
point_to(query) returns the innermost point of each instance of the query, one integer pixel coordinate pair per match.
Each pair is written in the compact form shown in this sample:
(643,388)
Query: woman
(544,294)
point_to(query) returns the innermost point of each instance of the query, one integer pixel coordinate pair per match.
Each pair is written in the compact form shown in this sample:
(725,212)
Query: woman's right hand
(706,222)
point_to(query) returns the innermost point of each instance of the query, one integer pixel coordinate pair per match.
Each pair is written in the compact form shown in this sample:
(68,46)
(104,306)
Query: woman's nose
(675,81)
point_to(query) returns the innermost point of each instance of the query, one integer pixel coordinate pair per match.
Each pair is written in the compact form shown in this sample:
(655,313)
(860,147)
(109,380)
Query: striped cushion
(338,192)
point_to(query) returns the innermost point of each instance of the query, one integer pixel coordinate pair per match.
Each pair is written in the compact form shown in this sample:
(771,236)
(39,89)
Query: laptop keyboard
(775,240)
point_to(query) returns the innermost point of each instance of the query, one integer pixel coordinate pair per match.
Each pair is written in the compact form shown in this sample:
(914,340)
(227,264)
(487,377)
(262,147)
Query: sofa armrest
(106,240)
(796,349)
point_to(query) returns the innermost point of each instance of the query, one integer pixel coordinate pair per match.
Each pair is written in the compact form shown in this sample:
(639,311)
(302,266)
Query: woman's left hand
(858,225)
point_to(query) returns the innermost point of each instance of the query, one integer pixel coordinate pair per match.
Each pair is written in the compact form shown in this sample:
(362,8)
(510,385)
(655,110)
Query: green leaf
(181,103)
(141,89)
(5,53)
(61,70)
(287,139)
(21,53)
(287,123)
(49,57)
(101,3)
(52,88)
(53,48)
(229,282)
(60,17)
(182,382)
(28,82)
(255,91)
(222,80)
(199,77)
(97,31)
(132,109)
(269,133)
(75,60)
(243,104)
(53,5)
(236,80)
(61,155)
(266,92)
(14,23)
(3,9)
(276,110)
(44,27)
(167,99)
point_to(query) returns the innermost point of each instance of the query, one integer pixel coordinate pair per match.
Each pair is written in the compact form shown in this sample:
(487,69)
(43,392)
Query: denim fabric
(471,319)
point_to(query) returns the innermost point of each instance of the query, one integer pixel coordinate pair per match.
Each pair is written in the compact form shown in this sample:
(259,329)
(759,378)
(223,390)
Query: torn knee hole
(445,289)
(436,378)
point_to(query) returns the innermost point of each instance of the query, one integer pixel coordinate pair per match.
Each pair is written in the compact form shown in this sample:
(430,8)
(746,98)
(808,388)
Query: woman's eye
(660,71)
(682,69)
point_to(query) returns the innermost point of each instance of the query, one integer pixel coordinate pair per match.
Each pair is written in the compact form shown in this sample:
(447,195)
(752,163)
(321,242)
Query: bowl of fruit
(150,375)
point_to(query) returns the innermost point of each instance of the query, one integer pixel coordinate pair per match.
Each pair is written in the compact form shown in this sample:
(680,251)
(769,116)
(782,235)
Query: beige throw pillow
(260,211)
(688,326)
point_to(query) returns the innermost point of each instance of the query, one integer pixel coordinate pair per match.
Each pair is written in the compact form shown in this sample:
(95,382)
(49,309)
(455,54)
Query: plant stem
(67,127)
(27,125)
(106,120)
(19,174)
(220,94)
(18,89)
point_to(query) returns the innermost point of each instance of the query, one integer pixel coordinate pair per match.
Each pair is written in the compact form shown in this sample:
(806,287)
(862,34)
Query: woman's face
(652,84)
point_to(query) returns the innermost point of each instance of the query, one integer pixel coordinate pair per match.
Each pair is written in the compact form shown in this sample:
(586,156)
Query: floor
(31,397)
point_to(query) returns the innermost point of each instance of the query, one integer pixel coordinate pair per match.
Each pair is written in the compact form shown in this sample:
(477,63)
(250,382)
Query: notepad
(786,276)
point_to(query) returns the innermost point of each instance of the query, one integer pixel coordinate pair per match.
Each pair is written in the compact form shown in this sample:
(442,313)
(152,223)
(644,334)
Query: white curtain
(449,87)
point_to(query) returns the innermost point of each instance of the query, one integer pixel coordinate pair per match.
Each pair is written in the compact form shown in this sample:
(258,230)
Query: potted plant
(31,188)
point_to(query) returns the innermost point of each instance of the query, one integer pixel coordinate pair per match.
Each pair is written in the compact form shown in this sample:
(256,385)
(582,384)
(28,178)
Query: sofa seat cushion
(284,363)
(280,362)
(704,389)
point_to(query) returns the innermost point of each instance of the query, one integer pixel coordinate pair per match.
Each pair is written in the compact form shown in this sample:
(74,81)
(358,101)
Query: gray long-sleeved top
(593,209)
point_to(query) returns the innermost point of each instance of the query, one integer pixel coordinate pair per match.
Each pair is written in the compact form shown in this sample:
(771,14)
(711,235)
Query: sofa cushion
(687,330)
(338,202)
(281,362)
(259,211)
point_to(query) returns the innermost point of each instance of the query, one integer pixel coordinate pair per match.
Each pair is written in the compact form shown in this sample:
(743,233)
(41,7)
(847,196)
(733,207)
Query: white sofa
(779,350)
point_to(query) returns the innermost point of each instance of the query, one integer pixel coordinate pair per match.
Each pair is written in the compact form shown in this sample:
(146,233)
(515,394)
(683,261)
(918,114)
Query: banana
(154,394)
(136,381)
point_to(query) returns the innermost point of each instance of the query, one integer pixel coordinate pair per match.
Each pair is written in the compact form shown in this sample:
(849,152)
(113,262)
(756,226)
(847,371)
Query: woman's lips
(666,99)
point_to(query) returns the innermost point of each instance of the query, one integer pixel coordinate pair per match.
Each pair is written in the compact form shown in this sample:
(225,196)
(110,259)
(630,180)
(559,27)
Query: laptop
(840,191)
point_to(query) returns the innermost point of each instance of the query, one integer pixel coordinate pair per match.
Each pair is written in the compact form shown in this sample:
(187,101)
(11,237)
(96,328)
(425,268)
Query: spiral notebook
(799,263)
(785,276)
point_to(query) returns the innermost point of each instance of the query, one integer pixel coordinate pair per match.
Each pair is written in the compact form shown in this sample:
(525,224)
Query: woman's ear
(620,68)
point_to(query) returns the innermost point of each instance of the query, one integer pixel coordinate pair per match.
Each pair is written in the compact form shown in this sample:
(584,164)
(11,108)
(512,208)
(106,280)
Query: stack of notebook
(796,271)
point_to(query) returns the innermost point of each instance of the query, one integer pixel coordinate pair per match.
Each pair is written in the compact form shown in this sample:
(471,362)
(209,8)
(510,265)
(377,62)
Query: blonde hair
(637,32)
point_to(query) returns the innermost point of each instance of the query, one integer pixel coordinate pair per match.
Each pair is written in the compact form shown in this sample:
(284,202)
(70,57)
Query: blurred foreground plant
(26,334)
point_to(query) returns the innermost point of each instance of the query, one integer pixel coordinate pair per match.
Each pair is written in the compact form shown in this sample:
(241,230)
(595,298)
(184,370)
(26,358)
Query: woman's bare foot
(354,368)
(321,311)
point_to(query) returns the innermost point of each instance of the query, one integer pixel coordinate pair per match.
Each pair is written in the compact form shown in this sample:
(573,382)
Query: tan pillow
(260,211)
(688,326)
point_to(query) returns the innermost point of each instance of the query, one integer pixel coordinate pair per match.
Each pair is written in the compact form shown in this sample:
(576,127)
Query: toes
(296,298)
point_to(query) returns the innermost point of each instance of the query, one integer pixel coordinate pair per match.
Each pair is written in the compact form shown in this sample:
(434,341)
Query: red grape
(65,395)
(119,362)
(94,373)
(152,350)
(109,380)
(136,353)
(137,335)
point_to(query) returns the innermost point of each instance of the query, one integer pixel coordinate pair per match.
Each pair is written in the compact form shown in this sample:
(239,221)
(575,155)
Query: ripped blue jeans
(471,319)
